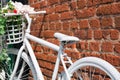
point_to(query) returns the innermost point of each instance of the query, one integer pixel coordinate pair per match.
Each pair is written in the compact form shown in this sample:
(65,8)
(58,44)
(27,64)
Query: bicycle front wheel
(25,70)
(92,68)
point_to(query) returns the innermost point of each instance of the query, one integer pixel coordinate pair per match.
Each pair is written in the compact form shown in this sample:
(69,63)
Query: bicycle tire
(29,71)
(102,71)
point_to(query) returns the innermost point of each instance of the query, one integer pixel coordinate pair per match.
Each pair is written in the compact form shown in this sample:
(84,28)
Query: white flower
(18,6)
(23,8)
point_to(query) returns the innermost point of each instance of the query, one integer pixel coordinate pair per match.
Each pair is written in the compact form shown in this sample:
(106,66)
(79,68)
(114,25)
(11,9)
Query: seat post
(62,45)
(60,53)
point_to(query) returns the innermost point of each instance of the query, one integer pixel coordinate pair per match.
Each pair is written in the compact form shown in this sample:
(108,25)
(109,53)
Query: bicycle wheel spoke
(91,68)
(90,73)
(24,70)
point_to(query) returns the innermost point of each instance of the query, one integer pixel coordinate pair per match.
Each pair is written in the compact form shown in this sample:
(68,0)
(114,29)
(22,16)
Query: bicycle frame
(27,45)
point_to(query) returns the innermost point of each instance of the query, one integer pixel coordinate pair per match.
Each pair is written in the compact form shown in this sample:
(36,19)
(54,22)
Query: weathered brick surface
(107,47)
(109,9)
(106,22)
(117,22)
(98,34)
(94,46)
(84,24)
(95,22)
(67,15)
(85,13)
(62,8)
(81,4)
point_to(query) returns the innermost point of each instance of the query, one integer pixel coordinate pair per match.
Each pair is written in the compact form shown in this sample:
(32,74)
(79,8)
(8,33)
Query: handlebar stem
(29,20)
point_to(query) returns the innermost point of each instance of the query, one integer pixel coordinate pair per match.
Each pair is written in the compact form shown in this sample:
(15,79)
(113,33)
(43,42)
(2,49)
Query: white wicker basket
(14,30)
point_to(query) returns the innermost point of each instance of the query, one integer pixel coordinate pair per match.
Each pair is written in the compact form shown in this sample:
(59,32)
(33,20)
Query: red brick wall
(95,22)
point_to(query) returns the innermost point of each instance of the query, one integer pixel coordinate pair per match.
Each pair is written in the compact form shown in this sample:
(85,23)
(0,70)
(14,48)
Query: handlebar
(26,15)
(32,13)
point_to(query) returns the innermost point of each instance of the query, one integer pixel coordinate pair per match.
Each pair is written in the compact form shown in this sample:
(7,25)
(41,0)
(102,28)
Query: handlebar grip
(11,14)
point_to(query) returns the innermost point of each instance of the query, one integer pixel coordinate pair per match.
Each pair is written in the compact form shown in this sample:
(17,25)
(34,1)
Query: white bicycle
(25,65)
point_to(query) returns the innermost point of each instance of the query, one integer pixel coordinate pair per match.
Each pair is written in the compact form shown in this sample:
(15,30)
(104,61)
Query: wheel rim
(95,66)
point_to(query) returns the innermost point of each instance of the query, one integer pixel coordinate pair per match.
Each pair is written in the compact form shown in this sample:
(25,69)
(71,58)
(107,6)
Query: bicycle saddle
(65,38)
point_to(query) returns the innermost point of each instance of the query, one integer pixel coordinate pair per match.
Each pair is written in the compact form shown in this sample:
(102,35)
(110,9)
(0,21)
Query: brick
(84,24)
(52,26)
(81,34)
(73,5)
(51,2)
(107,1)
(43,4)
(66,26)
(93,2)
(81,4)
(68,52)
(106,34)
(58,25)
(71,46)
(74,25)
(117,22)
(61,8)
(82,45)
(86,54)
(53,17)
(75,55)
(114,34)
(98,34)
(109,9)
(106,22)
(98,2)
(36,5)
(85,13)
(48,34)
(38,48)
(34,33)
(94,46)
(112,59)
(67,15)
(45,26)
(117,48)
(47,50)
(45,64)
(64,0)
(41,56)
(50,10)
(116,60)
(51,58)
(89,34)
(94,23)
(46,72)
(46,18)
(107,47)
(56,41)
